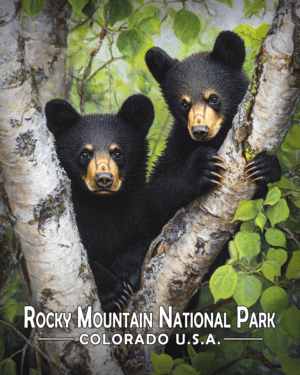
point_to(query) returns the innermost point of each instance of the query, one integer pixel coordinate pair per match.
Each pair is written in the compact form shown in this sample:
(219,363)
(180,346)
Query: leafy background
(263,265)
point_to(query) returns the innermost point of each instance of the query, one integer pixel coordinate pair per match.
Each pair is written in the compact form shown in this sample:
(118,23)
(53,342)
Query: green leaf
(185,370)
(134,43)
(289,365)
(248,244)
(253,6)
(186,26)
(204,362)
(178,361)
(260,221)
(161,363)
(33,7)
(146,19)
(172,12)
(120,10)
(275,237)
(293,268)
(276,340)
(290,322)
(247,291)
(227,2)
(279,212)
(275,299)
(78,5)
(248,226)
(223,282)
(8,367)
(245,211)
(292,140)
(270,269)
(273,196)
(278,255)
(191,351)
(233,251)
(90,7)
(33,371)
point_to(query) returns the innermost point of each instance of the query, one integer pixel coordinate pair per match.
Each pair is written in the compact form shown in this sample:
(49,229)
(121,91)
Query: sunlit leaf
(186,26)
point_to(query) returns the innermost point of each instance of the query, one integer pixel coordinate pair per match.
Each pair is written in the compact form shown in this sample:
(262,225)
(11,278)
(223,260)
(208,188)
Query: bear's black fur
(105,157)
(202,92)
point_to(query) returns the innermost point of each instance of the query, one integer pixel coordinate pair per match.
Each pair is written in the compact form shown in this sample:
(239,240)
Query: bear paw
(264,169)
(116,297)
(208,164)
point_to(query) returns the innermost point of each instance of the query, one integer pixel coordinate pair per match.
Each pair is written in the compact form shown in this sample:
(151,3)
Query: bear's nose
(200,132)
(104,179)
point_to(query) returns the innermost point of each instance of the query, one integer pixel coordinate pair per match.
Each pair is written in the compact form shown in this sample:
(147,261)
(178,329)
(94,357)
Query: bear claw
(116,303)
(216,174)
(216,182)
(220,165)
(218,158)
(128,287)
(248,165)
(258,178)
(252,174)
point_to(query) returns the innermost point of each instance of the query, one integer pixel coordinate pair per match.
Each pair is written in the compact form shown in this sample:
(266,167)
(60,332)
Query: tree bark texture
(188,245)
(32,69)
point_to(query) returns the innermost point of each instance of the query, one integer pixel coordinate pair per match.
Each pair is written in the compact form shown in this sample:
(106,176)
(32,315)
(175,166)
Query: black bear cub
(105,157)
(202,92)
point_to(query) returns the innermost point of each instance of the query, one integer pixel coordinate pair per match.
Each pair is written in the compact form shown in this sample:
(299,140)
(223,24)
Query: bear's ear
(229,49)
(138,111)
(159,62)
(60,116)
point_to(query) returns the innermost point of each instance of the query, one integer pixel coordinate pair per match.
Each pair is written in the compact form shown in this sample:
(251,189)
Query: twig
(290,233)
(105,65)
(213,307)
(25,349)
(20,334)
(88,69)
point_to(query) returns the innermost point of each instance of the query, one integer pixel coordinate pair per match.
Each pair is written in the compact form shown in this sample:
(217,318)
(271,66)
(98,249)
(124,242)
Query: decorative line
(243,339)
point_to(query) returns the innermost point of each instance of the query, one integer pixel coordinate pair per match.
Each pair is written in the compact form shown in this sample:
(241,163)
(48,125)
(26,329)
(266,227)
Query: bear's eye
(185,105)
(214,99)
(84,155)
(118,155)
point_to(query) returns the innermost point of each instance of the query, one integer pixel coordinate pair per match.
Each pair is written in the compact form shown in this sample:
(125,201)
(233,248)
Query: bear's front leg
(128,263)
(113,293)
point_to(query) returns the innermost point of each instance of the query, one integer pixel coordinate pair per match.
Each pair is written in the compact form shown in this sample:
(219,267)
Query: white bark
(59,277)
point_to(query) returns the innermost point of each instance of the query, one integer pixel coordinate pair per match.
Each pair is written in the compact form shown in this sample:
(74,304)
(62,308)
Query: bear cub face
(203,90)
(102,153)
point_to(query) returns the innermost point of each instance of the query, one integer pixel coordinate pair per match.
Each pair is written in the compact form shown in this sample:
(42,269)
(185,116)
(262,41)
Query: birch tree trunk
(32,69)
(32,72)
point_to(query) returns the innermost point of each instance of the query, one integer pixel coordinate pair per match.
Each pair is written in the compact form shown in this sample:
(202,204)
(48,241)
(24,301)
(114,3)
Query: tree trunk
(32,72)
(33,54)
